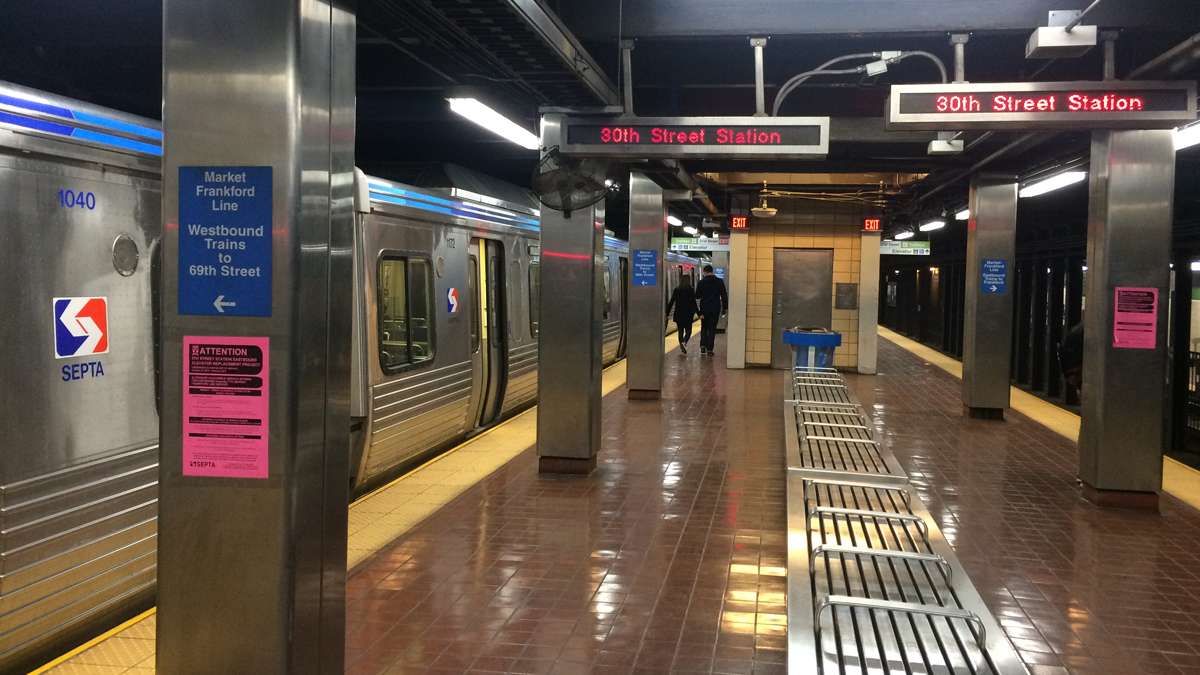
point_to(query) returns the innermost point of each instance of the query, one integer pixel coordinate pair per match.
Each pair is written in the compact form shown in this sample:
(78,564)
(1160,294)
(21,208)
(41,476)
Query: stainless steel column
(251,569)
(988,302)
(1124,364)
(720,261)
(647,305)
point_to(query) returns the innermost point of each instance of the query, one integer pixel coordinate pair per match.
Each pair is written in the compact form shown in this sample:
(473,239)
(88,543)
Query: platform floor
(671,557)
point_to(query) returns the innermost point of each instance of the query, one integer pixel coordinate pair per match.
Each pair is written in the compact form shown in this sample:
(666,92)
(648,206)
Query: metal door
(623,265)
(489,325)
(803,288)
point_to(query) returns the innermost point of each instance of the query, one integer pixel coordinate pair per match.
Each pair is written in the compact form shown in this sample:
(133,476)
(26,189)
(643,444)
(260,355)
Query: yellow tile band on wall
(1179,480)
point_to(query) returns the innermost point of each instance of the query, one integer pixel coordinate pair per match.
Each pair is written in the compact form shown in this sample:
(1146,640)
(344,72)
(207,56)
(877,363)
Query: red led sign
(739,222)
(1042,105)
(629,136)
(871,224)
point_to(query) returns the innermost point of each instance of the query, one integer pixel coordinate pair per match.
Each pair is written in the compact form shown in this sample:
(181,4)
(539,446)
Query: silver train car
(445,344)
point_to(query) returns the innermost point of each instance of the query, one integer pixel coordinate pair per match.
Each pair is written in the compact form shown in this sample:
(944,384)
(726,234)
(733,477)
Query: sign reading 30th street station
(1042,105)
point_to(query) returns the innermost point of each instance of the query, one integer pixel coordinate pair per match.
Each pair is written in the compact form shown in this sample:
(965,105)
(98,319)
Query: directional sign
(993,278)
(1042,105)
(645,267)
(711,137)
(225,240)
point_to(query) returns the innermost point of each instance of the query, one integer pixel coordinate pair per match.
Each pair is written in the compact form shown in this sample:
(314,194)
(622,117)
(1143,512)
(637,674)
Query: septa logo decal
(80,327)
(452,300)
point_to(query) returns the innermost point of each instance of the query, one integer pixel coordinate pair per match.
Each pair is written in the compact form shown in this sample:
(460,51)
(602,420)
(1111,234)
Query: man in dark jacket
(714,302)
(683,301)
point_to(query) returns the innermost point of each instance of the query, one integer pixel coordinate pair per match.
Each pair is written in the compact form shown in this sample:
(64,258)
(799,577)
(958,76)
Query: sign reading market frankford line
(225,240)
(1042,105)
(710,137)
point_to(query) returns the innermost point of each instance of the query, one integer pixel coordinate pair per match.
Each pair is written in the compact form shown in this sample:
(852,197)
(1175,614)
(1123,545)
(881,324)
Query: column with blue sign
(987,304)
(257,201)
(647,295)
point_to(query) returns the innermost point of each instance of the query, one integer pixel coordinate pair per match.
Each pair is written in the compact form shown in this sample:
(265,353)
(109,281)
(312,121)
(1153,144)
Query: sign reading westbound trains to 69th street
(226,399)
(225,240)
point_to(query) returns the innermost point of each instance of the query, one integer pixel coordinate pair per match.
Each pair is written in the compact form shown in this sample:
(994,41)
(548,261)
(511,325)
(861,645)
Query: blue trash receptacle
(813,347)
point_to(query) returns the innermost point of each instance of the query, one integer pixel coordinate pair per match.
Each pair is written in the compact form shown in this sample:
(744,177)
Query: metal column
(1125,354)
(988,301)
(258,107)
(647,305)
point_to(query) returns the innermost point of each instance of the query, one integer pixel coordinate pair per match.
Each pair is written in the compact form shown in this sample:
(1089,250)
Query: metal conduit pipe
(1166,57)
(1030,139)
(797,80)
(1075,22)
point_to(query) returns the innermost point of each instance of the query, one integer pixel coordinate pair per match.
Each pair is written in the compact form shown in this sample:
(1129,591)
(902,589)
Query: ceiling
(691,57)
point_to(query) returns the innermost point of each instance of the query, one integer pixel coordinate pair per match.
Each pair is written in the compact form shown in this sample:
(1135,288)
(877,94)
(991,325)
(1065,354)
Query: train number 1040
(70,199)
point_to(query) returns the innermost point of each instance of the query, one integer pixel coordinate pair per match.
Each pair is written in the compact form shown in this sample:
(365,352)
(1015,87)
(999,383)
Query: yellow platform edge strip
(1179,480)
(614,378)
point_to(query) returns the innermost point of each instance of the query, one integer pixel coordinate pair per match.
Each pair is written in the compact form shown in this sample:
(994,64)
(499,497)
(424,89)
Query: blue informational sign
(225,240)
(994,276)
(645,267)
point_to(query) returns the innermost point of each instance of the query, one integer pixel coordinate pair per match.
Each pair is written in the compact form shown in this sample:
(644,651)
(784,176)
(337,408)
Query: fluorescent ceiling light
(675,221)
(475,110)
(1196,265)
(1187,136)
(690,230)
(933,225)
(1058,180)
(963,215)
(900,236)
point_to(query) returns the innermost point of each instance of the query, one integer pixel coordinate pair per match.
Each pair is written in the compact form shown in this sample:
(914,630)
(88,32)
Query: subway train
(444,336)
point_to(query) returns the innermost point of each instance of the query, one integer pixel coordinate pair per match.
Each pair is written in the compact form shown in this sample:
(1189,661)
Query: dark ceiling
(691,57)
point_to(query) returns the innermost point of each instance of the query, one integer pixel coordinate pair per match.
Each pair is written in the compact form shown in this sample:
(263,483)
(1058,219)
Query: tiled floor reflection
(1078,589)
(670,558)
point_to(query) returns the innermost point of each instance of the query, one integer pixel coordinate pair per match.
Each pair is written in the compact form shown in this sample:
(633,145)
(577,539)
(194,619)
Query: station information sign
(1042,105)
(709,137)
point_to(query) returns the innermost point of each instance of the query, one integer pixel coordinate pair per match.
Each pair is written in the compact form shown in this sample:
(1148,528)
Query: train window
(473,298)
(405,312)
(535,296)
(607,287)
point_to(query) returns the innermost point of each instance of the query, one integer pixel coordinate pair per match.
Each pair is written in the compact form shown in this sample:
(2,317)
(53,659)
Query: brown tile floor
(670,558)
(1077,588)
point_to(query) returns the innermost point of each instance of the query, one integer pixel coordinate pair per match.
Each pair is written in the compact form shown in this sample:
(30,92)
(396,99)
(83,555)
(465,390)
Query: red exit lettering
(1104,103)
(958,103)
(739,222)
(871,224)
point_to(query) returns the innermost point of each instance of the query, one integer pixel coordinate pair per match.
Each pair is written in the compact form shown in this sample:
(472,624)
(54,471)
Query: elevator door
(803,296)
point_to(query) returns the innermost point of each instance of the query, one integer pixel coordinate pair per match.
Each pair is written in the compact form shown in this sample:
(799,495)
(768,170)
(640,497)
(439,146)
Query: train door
(489,334)
(624,283)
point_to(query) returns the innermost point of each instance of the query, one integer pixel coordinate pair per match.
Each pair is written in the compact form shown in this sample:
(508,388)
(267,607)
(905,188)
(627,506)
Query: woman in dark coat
(683,299)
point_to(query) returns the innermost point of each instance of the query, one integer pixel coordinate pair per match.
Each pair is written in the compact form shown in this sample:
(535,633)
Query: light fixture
(963,214)
(1186,136)
(608,182)
(673,220)
(901,236)
(690,230)
(1058,180)
(1196,265)
(932,225)
(479,113)
(1084,268)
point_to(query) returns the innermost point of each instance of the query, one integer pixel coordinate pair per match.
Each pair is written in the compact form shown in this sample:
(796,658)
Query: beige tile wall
(765,237)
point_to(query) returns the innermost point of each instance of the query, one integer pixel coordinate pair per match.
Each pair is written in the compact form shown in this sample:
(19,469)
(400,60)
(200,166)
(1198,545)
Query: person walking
(683,300)
(714,301)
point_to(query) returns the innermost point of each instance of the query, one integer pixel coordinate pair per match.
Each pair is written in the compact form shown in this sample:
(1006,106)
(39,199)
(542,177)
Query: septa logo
(452,300)
(80,327)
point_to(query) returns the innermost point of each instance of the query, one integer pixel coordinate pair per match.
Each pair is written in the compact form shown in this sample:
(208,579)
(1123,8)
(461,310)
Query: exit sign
(739,222)
(870,224)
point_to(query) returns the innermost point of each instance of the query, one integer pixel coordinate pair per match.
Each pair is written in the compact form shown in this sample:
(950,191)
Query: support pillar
(1125,354)
(258,121)
(570,339)
(738,286)
(988,299)
(868,303)
(647,305)
(720,263)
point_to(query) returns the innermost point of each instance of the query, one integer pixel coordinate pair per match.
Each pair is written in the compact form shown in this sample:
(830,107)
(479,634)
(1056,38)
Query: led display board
(681,137)
(1042,105)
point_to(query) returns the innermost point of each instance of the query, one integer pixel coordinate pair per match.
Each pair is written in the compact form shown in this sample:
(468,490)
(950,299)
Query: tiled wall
(811,227)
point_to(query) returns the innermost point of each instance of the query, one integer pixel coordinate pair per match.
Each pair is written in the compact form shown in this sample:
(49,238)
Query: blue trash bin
(813,347)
